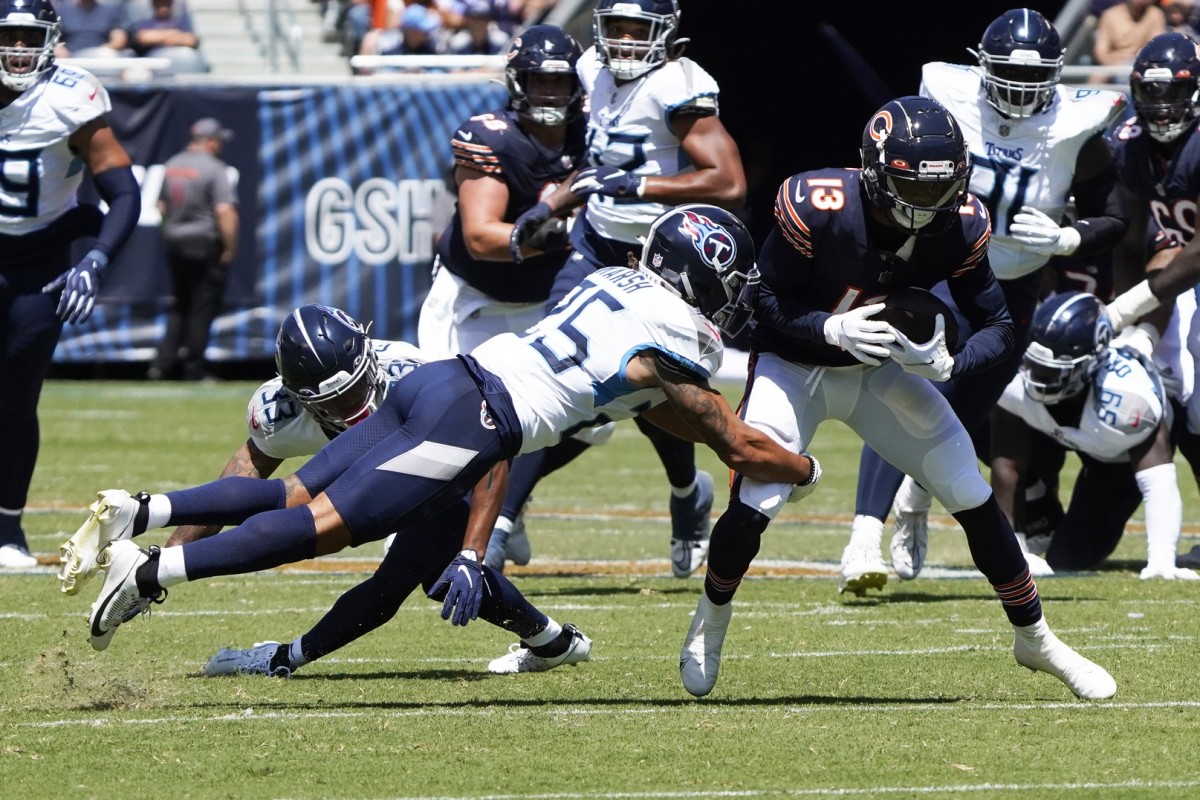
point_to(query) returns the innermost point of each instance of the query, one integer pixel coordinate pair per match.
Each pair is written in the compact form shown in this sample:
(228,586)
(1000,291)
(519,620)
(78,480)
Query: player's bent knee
(962,492)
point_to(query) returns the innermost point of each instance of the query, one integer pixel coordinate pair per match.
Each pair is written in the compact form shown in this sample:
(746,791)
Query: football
(913,312)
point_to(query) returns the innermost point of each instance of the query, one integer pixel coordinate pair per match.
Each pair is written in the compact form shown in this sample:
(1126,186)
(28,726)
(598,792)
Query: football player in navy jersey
(51,122)
(655,140)
(1034,144)
(626,342)
(505,162)
(843,240)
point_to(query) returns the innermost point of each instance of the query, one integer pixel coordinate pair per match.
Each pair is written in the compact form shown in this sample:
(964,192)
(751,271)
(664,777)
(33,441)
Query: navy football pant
(29,331)
(405,465)
(417,557)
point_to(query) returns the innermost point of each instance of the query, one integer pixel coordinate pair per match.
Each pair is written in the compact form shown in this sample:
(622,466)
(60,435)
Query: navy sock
(261,542)
(998,556)
(227,501)
(522,476)
(878,482)
(736,538)
(504,606)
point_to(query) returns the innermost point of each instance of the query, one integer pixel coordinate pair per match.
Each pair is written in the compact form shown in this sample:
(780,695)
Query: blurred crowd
(430,27)
(131,28)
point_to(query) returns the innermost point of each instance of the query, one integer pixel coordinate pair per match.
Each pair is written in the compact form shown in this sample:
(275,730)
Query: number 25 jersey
(568,372)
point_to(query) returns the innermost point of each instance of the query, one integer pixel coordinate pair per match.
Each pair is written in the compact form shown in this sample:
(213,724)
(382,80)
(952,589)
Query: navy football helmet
(629,58)
(543,50)
(1165,84)
(34,25)
(915,165)
(706,256)
(327,363)
(1068,340)
(1022,57)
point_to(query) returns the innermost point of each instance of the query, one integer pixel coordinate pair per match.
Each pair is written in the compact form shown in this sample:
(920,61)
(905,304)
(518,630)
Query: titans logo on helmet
(714,244)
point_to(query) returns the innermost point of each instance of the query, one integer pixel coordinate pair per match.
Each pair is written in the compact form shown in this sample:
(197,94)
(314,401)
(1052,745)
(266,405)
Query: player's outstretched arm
(702,414)
(246,462)
(1010,461)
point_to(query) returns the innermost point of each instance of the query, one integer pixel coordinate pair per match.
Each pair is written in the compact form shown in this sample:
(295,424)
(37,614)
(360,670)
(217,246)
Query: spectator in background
(200,227)
(168,33)
(91,29)
(419,33)
(1122,30)
(478,33)
(1181,16)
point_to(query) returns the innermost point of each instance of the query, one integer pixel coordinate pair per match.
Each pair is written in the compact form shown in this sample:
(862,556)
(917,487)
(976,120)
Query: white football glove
(931,360)
(1169,572)
(859,336)
(1142,337)
(803,490)
(1037,232)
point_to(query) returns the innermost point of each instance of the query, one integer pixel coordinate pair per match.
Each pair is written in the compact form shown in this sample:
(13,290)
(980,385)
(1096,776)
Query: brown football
(913,312)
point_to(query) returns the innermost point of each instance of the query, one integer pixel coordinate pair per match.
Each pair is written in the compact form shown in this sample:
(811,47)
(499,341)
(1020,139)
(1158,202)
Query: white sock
(686,491)
(911,497)
(503,524)
(296,658)
(160,511)
(171,569)
(866,531)
(548,634)
(1164,513)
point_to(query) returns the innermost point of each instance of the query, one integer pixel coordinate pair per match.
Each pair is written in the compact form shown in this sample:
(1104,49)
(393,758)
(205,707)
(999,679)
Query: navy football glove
(79,286)
(525,225)
(607,180)
(462,583)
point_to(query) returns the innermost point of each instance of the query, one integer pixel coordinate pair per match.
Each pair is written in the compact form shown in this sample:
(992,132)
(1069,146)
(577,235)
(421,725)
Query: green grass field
(908,693)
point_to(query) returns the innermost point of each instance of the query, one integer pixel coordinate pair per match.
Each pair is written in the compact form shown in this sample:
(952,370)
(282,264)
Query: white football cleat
(119,600)
(13,556)
(700,658)
(520,658)
(1037,648)
(114,516)
(255,661)
(1038,566)
(1169,572)
(862,569)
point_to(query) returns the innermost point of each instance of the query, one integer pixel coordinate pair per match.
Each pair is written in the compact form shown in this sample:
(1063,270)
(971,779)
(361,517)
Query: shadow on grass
(873,601)
(263,704)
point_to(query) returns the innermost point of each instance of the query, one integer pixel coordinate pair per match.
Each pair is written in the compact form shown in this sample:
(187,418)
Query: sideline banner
(341,190)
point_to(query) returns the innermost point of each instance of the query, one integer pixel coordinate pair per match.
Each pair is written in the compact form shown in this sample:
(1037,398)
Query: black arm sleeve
(1103,218)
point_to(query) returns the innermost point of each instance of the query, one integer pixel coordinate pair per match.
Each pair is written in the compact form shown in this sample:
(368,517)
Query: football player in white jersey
(625,342)
(333,376)
(1108,404)
(52,127)
(655,140)
(1034,144)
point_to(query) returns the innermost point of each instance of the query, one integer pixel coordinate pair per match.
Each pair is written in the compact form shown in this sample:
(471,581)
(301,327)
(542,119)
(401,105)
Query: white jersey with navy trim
(39,175)
(1124,406)
(1016,162)
(281,428)
(629,126)
(568,372)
